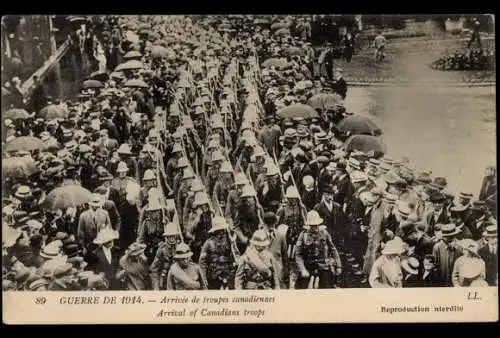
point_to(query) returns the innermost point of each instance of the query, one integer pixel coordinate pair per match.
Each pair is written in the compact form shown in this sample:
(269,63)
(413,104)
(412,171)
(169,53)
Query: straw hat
(52,250)
(358,177)
(122,167)
(390,198)
(170,229)
(248,191)
(64,270)
(183,251)
(466,195)
(313,218)
(410,265)
(106,235)
(218,223)
(491,231)
(469,245)
(259,238)
(393,247)
(448,230)
(404,209)
(23,192)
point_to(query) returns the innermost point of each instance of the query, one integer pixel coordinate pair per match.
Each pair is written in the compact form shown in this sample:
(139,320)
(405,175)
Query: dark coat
(340,87)
(423,247)
(334,220)
(491,262)
(344,189)
(101,264)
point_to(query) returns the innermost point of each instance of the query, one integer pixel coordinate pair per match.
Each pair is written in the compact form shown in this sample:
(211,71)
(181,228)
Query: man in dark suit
(110,207)
(339,85)
(416,237)
(479,219)
(106,256)
(333,216)
(488,191)
(89,224)
(489,255)
(342,184)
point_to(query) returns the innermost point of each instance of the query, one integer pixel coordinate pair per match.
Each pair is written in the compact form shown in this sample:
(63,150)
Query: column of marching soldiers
(219,233)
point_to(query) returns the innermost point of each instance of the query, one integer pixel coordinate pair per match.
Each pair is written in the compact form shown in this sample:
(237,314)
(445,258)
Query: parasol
(326,101)
(365,143)
(358,125)
(92,84)
(294,51)
(25,143)
(16,113)
(131,64)
(159,52)
(52,112)
(274,62)
(65,197)
(297,110)
(279,25)
(135,83)
(18,167)
(282,32)
(99,76)
(133,54)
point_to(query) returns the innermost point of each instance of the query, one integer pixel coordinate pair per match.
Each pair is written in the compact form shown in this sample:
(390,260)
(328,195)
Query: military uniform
(317,254)
(249,277)
(151,230)
(190,278)
(161,265)
(232,204)
(217,263)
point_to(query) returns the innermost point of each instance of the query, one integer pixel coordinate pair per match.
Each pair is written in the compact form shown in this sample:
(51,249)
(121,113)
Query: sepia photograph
(248,152)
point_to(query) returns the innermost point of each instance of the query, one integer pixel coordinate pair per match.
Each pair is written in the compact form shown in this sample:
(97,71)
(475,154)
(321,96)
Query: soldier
(184,186)
(256,165)
(196,186)
(234,196)
(149,181)
(213,171)
(218,256)
(164,256)
(182,164)
(247,217)
(292,214)
(257,269)
(151,220)
(171,165)
(222,186)
(183,273)
(199,223)
(317,258)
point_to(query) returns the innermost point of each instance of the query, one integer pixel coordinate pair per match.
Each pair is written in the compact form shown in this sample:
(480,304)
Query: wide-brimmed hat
(248,191)
(200,198)
(218,223)
(23,192)
(478,205)
(393,247)
(135,249)
(188,173)
(354,163)
(440,182)
(64,270)
(313,218)
(469,245)
(106,235)
(449,229)
(240,179)
(437,197)
(52,249)
(466,195)
(183,251)
(390,198)
(358,177)
(404,209)
(458,209)
(491,231)
(292,192)
(410,265)
(182,163)
(259,238)
(149,175)
(290,133)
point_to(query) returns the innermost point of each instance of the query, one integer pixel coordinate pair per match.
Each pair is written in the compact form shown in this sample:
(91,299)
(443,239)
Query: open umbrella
(65,197)
(16,113)
(358,125)
(99,76)
(25,143)
(52,112)
(129,65)
(295,51)
(326,101)
(365,143)
(297,110)
(136,83)
(159,52)
(282,32)
(278,25)
(133,54)
(274,62)
(18,167)
(92,84)
(77,19)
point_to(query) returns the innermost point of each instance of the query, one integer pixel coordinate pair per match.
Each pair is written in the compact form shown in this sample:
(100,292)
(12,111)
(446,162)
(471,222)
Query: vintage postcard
(249,169)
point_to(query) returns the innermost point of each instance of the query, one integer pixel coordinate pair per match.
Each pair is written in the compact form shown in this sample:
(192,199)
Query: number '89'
(40,300)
